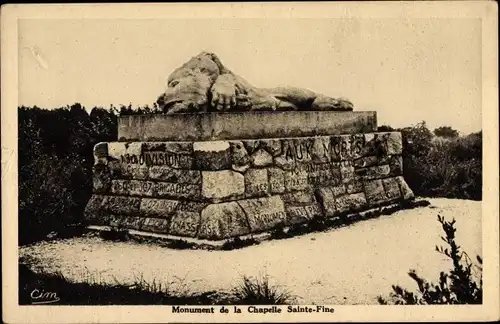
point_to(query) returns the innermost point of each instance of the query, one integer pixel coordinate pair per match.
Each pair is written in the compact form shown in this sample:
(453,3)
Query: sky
(408,70)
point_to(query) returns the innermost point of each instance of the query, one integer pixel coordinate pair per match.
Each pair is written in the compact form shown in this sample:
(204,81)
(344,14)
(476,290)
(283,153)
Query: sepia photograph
(250,162)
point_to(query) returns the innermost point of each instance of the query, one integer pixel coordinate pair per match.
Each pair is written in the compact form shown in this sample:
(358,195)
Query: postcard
(250,162)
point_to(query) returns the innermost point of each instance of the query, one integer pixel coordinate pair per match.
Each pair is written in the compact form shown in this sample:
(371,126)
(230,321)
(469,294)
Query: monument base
(215,190)
(182,242)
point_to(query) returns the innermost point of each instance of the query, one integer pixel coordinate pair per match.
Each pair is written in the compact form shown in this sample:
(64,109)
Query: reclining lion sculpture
(203,84)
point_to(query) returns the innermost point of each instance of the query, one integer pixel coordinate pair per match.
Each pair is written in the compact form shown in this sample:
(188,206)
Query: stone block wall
(221,189)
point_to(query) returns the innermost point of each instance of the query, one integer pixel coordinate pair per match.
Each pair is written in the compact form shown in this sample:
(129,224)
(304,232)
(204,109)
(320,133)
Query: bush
(258,291)
(442,167)
(459,286)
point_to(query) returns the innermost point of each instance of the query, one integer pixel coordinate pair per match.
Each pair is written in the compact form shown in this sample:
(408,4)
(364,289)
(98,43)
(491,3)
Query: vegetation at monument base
(90,290)
(259,291)
(55,164)
(462,285)
(437,166)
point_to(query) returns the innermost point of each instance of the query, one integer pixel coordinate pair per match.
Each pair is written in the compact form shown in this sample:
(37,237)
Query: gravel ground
(350,265)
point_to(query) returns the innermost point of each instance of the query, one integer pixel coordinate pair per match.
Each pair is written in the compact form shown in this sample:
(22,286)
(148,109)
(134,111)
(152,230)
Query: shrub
(459,286)
(443,167)
(258,291)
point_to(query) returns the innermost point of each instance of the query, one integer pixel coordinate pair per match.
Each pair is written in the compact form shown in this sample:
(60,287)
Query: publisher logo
(39,296)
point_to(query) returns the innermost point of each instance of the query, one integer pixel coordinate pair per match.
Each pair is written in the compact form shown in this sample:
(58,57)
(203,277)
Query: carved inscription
(175,160)
(166,188)
(298,150)
(269,217)
(344,147)
(132,187)
(186,219)
(264,213)
(154,189)
(329,160)
(299,214)
(310,175)
(330,149)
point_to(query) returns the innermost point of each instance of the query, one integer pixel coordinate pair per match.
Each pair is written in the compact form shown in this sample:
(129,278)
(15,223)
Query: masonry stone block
(239,154)
(101,153)
(186,219)
(394,143)
(94,210)
(271,146)
(327,200)
(101,179)
(155,225)
(213,155)
(159,208)
(354,186)
(405,189)
(375,192)
(223,220)
(264,213)
(222,184)
(350,202)
(256,182)
(391,187)
(261,158)
(374,172)
(169,174)
(276,180)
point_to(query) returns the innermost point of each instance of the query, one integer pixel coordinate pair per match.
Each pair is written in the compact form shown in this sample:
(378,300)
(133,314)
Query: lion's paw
(225,92)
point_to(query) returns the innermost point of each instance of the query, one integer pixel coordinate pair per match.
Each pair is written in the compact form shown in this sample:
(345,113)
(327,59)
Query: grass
(259,291)
(92,291)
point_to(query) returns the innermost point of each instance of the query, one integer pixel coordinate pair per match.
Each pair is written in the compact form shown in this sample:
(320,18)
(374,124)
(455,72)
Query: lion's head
(188,87)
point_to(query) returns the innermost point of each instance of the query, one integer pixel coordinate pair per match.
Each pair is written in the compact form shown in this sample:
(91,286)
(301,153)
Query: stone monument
(227,159)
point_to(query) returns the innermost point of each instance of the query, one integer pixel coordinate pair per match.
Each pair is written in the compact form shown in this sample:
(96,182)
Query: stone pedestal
(219,189)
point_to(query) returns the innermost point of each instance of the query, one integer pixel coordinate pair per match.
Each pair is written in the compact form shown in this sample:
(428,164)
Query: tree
(446,132)
(385,128)
(55,165)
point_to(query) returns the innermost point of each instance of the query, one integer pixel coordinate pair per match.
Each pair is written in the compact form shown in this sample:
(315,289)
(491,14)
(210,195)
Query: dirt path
(351,265)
